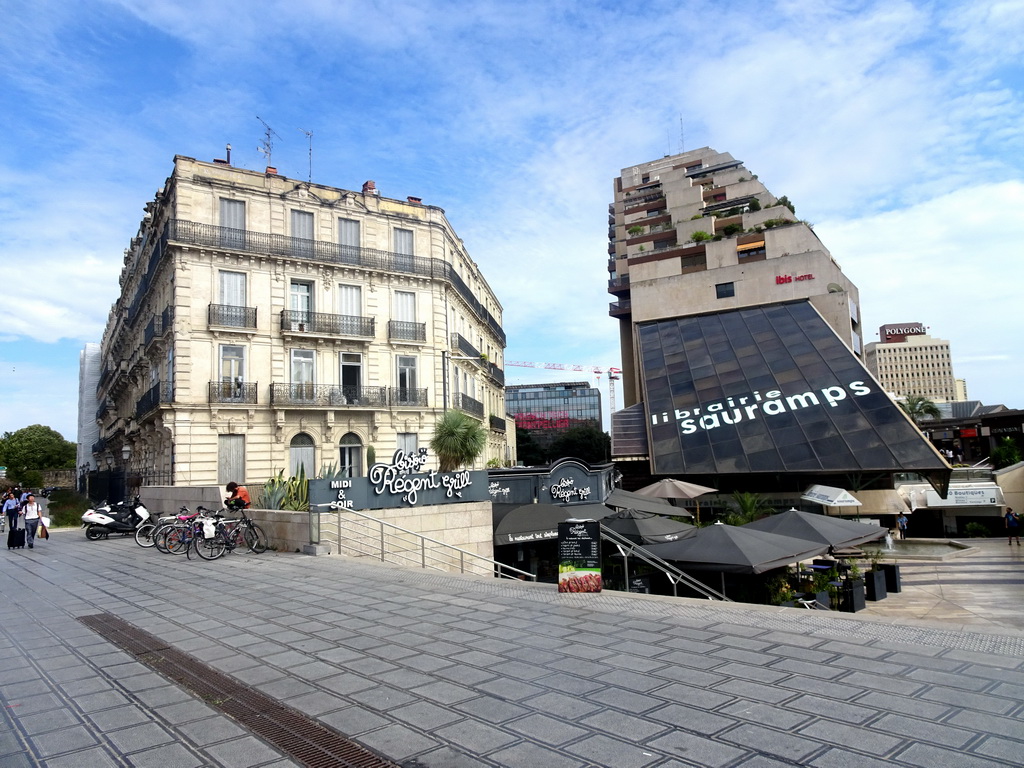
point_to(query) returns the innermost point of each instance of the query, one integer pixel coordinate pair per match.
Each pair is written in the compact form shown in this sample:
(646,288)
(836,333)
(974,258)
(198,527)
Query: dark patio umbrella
(646,528)
(736,549)
(518,523)
(826,530)
(621,499)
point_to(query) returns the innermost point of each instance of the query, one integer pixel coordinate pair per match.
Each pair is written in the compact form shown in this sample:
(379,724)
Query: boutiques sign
(401,483)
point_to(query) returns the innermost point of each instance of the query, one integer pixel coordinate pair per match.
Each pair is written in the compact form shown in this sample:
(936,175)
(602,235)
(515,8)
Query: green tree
(1006,453)
(35,448)
(748,508)
(458,440)
(528,451)
(584,441)
(919,408)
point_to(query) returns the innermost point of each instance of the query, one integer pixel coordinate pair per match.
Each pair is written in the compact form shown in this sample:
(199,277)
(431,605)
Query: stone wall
(467,526)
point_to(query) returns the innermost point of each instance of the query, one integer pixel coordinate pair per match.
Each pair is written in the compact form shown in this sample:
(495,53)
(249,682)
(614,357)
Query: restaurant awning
(828,496)
(621,499)
(523,523)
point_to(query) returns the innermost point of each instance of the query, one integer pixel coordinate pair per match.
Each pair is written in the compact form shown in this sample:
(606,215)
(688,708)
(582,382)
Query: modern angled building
(549,410)
(266,323)
(907,361)
(741,339)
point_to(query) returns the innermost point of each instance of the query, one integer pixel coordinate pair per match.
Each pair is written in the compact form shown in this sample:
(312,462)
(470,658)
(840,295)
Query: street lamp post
(126,454)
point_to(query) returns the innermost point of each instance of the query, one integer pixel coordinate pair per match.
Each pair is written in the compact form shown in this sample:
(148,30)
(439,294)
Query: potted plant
(874,579)
(821,585)
(851,595)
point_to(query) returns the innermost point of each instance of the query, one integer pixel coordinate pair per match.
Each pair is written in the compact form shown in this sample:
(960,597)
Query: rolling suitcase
(16,538)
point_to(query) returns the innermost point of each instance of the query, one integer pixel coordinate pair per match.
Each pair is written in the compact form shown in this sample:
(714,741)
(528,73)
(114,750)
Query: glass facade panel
(768,389)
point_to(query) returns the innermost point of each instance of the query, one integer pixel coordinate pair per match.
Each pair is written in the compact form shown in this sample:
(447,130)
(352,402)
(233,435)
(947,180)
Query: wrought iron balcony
(327,324)
(99,446)
(161,392)
(237,391)
(468,404)
(232,317)
(105,407)
(328,396)
(151,332)
(497,423)
(166,320)
(461,344)
(403,396)
(496,373)
(404,331)
(194,233)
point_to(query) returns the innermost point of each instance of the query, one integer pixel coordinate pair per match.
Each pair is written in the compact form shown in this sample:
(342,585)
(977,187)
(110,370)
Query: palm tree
(749,507)
(919,408)
(458,440)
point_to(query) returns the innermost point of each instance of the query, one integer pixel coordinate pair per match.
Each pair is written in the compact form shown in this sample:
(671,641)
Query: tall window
(302,225)
(349,240)
(405,306)
(350,305)
(232,365)
(351,456)
(302,453)
(302,374)
(300,302)
(232,289)
(230,459)
(232,222)
(403,243)
(351,376)
(407,373)
(408,442)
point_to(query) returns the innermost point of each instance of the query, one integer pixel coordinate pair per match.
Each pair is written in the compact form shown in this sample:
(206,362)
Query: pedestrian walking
(32,512)
(1012,526)
(10,509)
(901,523)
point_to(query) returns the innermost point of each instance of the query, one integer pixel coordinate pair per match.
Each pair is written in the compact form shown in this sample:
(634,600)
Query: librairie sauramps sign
(401,483)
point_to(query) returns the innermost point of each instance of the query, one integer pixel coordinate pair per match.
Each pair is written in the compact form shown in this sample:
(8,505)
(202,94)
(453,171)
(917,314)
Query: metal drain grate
(292,732)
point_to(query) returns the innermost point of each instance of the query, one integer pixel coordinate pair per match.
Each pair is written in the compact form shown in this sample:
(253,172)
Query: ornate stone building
(266,323)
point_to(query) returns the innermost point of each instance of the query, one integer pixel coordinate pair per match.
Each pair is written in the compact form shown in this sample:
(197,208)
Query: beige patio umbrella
(671,488)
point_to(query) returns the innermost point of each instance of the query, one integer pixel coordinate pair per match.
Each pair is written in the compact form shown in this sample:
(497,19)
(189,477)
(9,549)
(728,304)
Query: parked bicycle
(219,535)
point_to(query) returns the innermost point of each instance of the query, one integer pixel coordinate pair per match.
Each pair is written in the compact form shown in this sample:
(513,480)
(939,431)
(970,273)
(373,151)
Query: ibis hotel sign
(403,482)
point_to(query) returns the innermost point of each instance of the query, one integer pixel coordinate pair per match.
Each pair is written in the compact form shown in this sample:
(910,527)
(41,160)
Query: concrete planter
(892,577)
(851,596)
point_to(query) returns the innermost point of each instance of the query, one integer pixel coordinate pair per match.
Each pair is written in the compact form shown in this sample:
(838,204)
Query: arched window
(351,456)
(302,453)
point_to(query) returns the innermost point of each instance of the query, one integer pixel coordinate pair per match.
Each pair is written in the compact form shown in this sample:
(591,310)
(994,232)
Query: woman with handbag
(32,511)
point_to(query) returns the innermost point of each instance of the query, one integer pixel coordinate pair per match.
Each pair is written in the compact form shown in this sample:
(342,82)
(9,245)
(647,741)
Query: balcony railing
(231,316)
(99,446)
(105,406)
(620,308)
(161,392)
(633,202)
(496,373)
(461,344)
(469,405)
(497,423)
(194,233)
(403,396)
(151,332)
(233,392)
(405,331)
(166,320)
(326,324)
(330,396)
(618,284)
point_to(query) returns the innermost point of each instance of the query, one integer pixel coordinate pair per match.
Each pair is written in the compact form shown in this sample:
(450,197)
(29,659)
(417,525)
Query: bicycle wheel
(211,548)
(144,535)
(255,539)
(177,540)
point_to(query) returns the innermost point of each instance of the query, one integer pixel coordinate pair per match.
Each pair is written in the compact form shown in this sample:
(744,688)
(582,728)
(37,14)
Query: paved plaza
(430,670)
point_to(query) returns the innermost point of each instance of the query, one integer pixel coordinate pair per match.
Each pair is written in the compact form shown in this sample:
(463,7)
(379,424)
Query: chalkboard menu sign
(579,556)
(640,584)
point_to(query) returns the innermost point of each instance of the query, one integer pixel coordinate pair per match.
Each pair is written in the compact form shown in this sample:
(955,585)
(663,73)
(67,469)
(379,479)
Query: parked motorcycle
(122,518)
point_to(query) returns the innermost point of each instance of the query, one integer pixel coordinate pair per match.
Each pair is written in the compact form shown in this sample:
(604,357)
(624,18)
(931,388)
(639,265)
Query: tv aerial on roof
(267,145)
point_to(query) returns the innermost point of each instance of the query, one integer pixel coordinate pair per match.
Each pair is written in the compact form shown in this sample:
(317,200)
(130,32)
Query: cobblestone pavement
(442,671)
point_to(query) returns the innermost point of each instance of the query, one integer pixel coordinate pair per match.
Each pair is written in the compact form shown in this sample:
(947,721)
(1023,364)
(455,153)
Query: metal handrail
(629,548)
(367,531)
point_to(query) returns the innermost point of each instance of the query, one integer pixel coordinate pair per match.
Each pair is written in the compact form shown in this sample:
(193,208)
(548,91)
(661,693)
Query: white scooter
(122,518)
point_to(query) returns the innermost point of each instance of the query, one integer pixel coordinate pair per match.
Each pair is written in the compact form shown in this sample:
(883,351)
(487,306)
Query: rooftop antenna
(681,135)
(309,135)
(267,145)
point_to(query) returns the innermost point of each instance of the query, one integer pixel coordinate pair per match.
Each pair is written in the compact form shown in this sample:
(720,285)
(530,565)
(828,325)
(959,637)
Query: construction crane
(614,374)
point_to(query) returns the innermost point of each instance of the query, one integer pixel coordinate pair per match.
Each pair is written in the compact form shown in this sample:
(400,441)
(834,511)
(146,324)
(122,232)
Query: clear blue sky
(894,127)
